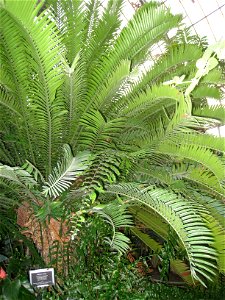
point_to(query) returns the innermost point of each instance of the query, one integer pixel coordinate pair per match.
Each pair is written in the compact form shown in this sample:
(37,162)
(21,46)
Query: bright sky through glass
(206,17)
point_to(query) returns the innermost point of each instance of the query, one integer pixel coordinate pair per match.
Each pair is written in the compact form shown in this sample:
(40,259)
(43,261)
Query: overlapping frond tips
(150,102)
(105,168)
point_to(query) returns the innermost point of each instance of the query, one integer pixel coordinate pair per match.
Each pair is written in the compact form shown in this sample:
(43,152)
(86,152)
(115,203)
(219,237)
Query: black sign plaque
(42,277)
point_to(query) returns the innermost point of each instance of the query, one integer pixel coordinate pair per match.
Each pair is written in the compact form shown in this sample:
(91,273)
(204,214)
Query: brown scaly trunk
(44,236)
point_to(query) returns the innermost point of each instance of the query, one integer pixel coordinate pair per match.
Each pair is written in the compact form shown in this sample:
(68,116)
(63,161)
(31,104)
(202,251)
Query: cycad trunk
(44,236)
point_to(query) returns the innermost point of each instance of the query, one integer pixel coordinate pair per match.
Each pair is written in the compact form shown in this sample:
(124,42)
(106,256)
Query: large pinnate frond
(146,27)
(114,88)
(207,181)
(150,102)
(40,64)
(204,140)
(107,28)
(66,172)
(185,219)
(152,116)
(14,85)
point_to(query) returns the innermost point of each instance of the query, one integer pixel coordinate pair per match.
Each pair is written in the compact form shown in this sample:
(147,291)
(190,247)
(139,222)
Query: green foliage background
(86,129)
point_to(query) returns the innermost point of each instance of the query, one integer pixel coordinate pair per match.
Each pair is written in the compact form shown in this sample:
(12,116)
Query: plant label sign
(42,277)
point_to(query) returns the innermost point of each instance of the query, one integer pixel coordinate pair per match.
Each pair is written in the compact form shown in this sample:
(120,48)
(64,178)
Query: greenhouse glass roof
(205,18)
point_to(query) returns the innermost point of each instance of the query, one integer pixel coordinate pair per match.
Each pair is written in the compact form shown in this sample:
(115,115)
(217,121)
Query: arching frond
(105,33)
(198,175)
(113,89)
(151,101)
(186,222)
(148,25)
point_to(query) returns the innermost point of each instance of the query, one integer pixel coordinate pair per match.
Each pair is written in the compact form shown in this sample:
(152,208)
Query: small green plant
(119,280)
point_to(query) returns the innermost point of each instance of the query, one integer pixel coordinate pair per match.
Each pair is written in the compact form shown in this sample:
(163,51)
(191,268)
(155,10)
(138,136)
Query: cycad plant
(86,126)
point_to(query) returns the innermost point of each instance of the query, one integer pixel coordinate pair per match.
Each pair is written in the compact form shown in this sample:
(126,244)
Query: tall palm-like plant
(84,124)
